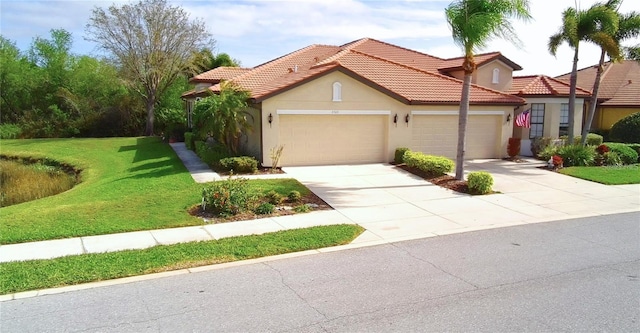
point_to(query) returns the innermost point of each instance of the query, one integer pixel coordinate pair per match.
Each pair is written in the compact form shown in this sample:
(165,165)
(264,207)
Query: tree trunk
(594,100)
(150,106)
(572,97)
(462,126)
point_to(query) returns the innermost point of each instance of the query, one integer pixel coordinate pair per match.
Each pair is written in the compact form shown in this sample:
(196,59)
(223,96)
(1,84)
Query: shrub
(612,158)
(399,155)
(604,133)
(275,154)
(634,146)
(302,208)
(435,165)
(274,197)
(10,131)
(189,140)
(539,143)
(626,129)
(227,197)
(577,155)
(210,154)
(601,149)
(242,164)
(294,196)
(626,153)
(592,139)
(548,152)
(480,182)
(265,208)
(513,148)
(557,161)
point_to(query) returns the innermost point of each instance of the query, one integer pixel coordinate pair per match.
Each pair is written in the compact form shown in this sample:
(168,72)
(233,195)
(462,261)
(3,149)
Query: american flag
(524,119)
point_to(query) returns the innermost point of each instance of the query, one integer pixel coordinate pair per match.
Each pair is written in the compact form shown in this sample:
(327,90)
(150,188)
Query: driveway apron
(393,204)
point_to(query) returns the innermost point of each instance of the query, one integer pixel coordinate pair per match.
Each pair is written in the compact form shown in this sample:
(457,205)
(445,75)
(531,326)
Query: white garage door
(332,139)
(438,135)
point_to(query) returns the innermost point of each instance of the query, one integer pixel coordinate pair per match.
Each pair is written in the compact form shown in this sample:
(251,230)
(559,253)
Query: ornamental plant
(601,149)
(227,197)
(480,182)
(557,161)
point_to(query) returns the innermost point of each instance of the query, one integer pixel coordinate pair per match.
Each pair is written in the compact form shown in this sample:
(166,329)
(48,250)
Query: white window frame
(564,115)
(337,92)
(496,76)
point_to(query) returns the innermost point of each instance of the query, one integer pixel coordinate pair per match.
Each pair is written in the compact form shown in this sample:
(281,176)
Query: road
(574,275)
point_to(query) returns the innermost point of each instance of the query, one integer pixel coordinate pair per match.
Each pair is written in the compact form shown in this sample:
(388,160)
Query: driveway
(395,205)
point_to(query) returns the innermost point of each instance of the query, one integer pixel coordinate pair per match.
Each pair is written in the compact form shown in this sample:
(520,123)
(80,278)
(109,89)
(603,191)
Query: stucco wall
(484,76)
(551,116)
(606,117)
(317,95)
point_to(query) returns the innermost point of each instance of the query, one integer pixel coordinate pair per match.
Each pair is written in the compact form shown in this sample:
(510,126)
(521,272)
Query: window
(337,92)
(537,120)
(496,76)
(564,119)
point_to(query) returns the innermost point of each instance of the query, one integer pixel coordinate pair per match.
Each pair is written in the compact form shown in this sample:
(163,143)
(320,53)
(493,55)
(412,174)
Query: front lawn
(608,175)
(127,184)
(39,274)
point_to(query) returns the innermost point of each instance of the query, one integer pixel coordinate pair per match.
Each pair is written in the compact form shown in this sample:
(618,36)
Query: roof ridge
(276,61)
(475,55)
(404,48)
(546,82)
(434,74)
(530,84)
(566,84)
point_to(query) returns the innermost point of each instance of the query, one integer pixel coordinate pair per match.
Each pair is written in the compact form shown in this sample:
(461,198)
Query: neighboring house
(548,101)
(358,102)
(619,94)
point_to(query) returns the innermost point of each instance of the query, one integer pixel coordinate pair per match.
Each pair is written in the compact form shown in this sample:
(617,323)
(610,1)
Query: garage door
(438,135)
(332,139)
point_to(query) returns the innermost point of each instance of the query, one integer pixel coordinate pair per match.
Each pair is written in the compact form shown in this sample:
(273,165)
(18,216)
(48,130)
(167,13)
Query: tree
(205,60)
(632,52)
(152,42)
(628,27)
(474,23)
(596,24)
(223,115)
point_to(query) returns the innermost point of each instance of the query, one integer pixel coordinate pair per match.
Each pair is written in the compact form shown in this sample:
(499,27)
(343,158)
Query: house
(548,101)
(358,102)
(619,93)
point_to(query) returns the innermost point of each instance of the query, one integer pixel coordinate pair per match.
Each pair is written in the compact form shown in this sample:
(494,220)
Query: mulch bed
(310,198)
(445,181)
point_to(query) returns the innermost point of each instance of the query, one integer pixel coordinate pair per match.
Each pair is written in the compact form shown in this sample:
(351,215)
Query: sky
(256,31)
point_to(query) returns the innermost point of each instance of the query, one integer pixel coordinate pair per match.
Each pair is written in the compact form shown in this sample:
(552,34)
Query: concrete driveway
(395,205)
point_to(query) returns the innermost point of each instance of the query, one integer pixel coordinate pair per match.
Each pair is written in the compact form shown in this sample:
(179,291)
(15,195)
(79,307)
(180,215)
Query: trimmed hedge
(242,164)
(436,165)
(592,139)
(626,153)
(480,182)
(210,154)
(627,129)
(399,156)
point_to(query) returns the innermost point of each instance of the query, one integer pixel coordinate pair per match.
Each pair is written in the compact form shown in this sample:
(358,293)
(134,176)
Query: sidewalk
(391,204)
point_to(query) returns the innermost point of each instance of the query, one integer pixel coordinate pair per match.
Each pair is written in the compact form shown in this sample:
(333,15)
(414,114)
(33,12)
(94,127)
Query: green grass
(127,184)
(608,175)
(39,274)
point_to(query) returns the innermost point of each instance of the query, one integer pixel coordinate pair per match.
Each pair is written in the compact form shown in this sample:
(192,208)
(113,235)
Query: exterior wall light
(406,119)
(509,117)
(270,119)
(395,119)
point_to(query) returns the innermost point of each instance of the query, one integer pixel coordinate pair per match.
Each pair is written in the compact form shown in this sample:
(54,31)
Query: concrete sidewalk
(391,204)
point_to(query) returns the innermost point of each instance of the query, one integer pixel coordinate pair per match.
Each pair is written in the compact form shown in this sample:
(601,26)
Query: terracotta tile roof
(406,75)
(453,64)
(217,74)
(620,85)
(542,85)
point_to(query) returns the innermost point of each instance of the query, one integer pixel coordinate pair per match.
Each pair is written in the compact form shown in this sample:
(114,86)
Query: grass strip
(71,270)
(608,175)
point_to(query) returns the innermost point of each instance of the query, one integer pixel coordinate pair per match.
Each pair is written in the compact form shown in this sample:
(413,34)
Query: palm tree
(223,115)
(595,24)
(628,27)
(474,23)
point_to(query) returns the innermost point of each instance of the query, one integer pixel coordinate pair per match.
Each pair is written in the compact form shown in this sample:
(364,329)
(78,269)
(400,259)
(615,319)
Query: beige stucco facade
(483,75)
(367,115)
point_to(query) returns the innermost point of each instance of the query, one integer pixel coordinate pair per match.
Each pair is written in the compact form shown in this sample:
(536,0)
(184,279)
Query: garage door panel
(438,135)
(332,139)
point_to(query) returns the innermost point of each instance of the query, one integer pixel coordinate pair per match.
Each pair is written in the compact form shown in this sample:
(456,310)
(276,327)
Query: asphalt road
(575,275)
